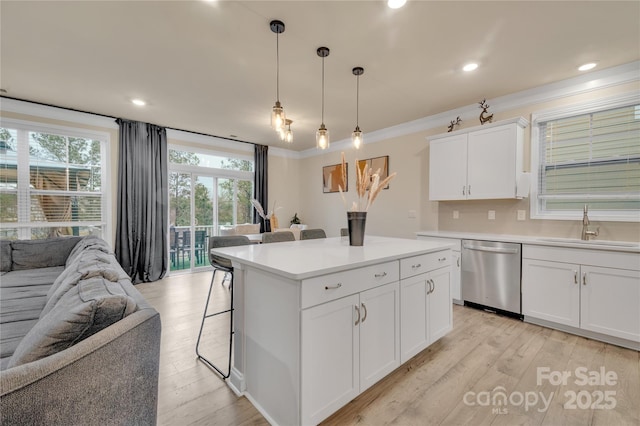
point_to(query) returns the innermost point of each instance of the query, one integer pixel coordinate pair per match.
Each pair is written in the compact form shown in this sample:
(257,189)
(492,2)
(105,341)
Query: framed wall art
(332,178)
(381,163)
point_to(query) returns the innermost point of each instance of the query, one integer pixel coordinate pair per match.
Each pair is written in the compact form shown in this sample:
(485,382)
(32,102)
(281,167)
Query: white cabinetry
(479,163)
(595,293)
(456,266)
(349,343)
(425,301)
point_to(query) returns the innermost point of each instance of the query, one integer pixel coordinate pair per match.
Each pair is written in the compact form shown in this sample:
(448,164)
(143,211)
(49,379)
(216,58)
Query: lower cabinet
(348,345)
(590,297)
(426,312)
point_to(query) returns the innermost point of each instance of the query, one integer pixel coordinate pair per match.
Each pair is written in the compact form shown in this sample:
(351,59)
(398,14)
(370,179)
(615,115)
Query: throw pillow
(84,310)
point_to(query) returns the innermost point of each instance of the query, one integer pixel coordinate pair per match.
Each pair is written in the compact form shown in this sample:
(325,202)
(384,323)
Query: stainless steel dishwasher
(491,274)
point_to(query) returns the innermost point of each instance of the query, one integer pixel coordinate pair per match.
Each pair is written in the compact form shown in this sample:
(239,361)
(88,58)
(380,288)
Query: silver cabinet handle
(358,312)
(433,288)
(458,262)
(575,277)
(442,259)
(418,265)
(584,278)
(364,307)
(429,281)
(332,287)
(469,191)
(382,275)
(463,191)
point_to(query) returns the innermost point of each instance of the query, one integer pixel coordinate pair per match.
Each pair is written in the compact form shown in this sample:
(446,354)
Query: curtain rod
(115,118)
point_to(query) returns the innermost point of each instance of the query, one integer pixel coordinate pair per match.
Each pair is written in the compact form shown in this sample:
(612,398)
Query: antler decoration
(485,117)
(453,124)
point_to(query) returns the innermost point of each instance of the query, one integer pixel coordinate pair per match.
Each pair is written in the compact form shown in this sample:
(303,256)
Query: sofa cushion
(30,254)
(5,255)
(84,310)
(89,264)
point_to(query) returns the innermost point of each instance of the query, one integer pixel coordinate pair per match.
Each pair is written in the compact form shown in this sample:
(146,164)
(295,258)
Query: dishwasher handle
(490,249)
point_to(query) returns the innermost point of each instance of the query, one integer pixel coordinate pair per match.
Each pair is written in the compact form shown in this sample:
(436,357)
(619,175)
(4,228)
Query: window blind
(591,159)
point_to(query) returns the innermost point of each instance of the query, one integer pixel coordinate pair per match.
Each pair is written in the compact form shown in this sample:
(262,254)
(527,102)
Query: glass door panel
(180,221)
(203,224)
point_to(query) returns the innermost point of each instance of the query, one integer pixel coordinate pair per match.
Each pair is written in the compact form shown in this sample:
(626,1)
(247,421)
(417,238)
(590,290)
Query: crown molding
(56,113)
(597,80)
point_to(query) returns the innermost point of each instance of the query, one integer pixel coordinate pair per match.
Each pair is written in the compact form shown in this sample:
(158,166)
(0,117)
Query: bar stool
(224,265)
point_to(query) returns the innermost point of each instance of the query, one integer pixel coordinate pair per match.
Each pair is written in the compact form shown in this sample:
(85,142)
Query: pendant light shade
(278,119)
(357,136)
(322,135)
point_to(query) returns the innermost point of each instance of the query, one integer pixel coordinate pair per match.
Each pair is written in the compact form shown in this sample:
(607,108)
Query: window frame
(24,225)
(583,108)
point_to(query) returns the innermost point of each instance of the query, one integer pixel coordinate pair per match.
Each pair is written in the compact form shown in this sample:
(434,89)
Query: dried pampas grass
(364,177)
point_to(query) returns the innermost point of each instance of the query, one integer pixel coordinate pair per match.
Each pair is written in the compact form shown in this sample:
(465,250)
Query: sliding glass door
(201,200)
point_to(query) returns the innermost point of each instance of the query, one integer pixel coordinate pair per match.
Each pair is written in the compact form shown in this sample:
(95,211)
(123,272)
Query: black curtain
(143,205)
(260,183)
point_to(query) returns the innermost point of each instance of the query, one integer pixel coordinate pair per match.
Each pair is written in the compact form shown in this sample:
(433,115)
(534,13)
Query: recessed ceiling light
(587,67)
(470,67)
(138,102)
(396,4)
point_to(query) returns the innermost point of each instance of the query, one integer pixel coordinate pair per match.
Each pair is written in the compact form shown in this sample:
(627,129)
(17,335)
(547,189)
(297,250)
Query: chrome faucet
(586,233)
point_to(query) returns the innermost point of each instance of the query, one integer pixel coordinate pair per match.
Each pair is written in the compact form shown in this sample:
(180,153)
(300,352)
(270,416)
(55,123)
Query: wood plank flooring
(454,382)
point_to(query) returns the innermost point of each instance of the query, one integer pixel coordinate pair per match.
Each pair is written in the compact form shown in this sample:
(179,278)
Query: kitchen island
(317,322)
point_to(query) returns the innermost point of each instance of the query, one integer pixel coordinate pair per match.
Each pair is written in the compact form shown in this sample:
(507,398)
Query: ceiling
(210,67)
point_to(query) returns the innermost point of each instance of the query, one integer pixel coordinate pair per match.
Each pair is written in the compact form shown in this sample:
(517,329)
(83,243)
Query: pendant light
(277,112)
(288,136)
(322,135)
(285,133)
(356,136)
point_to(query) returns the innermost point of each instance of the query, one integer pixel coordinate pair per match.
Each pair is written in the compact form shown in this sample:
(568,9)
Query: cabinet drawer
(424,263)
(334,286)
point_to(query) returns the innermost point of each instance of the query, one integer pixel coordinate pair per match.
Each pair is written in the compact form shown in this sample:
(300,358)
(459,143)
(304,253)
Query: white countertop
(299,260)
(624,246)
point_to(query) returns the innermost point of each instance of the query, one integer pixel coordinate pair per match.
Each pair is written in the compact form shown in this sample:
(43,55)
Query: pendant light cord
(277,68)
(323,90)
(357,99)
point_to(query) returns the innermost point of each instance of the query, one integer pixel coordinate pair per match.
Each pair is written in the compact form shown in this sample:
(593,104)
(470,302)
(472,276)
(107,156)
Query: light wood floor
(482,353)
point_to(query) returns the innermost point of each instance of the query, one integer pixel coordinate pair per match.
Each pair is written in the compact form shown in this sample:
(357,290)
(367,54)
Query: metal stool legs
(206,316)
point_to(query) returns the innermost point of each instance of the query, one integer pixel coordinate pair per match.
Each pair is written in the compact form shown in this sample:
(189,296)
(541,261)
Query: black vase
(357,222)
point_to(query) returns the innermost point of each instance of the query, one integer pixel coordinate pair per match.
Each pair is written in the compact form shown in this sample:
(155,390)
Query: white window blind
(51,181)
(593,159)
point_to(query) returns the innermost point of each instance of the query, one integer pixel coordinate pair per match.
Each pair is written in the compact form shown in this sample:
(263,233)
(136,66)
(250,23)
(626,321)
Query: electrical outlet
(412,214)
(522,215)
(491,215)
(456,214)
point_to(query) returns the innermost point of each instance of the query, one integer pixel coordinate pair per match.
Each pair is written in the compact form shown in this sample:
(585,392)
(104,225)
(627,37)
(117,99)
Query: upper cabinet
(483,162)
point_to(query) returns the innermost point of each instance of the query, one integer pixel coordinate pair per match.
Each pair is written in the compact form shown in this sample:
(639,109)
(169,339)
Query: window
(589,155)
(51,181)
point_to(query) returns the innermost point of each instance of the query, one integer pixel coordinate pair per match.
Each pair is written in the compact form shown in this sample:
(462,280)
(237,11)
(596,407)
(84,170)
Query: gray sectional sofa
(79,345)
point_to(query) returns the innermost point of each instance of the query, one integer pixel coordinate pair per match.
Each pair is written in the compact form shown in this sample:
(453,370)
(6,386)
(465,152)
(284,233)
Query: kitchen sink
(590,242)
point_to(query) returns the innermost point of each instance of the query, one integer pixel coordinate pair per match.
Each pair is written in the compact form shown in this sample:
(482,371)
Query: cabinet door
(379,333)
(413,315)
(448,168)
(455,276)
(610,301)
(439,308)
(491,170)
(330,354)
(550,291)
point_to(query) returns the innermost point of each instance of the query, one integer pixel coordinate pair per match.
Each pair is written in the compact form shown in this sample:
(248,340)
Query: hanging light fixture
(285,133)
(277,112)
(322,135)
(356,136)
(288,136)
